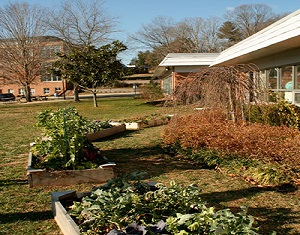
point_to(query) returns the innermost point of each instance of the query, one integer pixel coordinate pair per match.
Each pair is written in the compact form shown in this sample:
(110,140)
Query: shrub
(209,130)
(274,114)
(151,91)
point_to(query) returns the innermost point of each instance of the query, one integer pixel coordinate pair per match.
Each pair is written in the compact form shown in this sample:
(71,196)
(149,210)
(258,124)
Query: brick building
(46,84)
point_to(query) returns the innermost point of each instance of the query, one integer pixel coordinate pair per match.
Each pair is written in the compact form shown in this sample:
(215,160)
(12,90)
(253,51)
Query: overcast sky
(132,14)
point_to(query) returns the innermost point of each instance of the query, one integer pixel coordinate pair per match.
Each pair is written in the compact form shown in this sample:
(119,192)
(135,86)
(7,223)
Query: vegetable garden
(272,202)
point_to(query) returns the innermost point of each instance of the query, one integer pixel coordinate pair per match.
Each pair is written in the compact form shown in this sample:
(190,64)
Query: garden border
(40,177)
(66,224)
(115,129)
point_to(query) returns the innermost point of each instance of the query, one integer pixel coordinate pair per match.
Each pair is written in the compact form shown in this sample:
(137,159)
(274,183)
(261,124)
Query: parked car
(7,97)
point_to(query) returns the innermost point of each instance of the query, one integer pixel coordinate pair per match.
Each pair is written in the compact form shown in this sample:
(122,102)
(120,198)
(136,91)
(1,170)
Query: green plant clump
(127,200)
(64,144)
(278,113)
(95,126)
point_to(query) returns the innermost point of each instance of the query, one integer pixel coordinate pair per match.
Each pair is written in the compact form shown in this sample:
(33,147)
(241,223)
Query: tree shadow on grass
(275,219)
(272,219)
(25,216)
(12,182)
(152,160)
(269,219)
(126,133)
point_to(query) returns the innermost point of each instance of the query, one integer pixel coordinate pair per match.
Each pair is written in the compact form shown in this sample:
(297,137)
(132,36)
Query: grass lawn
(25,210)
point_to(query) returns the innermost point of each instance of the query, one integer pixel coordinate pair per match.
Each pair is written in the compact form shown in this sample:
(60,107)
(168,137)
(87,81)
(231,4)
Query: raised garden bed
(140,124)
(40,177)
(77,213)
(66,224)
(115,129)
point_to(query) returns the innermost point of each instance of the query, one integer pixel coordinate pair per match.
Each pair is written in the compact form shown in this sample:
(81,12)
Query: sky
(132,14)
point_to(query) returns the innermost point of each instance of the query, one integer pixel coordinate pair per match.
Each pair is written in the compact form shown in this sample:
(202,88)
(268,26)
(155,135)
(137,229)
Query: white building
(275,50)
(175,65)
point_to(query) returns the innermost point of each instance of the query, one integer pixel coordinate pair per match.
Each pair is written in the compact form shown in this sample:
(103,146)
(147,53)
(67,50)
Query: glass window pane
(298,77)
(297,97)
(46,90)
(286,78)
(273,76)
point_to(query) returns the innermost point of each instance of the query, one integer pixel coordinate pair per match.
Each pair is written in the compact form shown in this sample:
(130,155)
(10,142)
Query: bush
(151,91)
(274,114)
(209,130)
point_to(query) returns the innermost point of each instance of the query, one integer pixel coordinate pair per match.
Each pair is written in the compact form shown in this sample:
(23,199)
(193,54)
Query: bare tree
(210,37)
(251,18)
(157,34)
(163,35)
(82,23)
(21,28)
(227,88)
(199,35)
(190,32)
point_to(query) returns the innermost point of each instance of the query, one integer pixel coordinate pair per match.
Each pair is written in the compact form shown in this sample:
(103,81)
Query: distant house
(176,66)
(46,84)
(275,51)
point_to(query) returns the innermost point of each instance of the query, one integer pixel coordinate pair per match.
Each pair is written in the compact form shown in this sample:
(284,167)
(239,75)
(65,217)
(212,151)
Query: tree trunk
(76,93)
(231,104)
(95,99)
(27,93)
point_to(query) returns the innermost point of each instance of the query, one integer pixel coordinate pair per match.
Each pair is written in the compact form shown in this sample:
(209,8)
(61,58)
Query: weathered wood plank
(62,218)
(106,132)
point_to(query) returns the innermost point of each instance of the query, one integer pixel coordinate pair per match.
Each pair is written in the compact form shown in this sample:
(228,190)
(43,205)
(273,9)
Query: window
(21,91)
(286,81)
(57,89)
(11,91)
(297,78)
(32,91)
(46,91)
(46,78)
(297,98)
(273,78)
(50,78)
(50,51)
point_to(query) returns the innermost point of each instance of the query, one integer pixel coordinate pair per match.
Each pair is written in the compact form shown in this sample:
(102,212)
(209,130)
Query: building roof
(280,36)
(188,59)
(185,59)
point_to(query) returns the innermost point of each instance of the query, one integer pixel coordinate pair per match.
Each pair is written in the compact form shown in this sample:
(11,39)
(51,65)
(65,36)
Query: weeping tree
(229,88)
(91,68)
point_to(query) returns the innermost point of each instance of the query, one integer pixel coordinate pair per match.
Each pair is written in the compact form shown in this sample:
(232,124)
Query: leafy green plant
(122,202)
(95,126)
(208,221)
(64,144)
(278,113)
